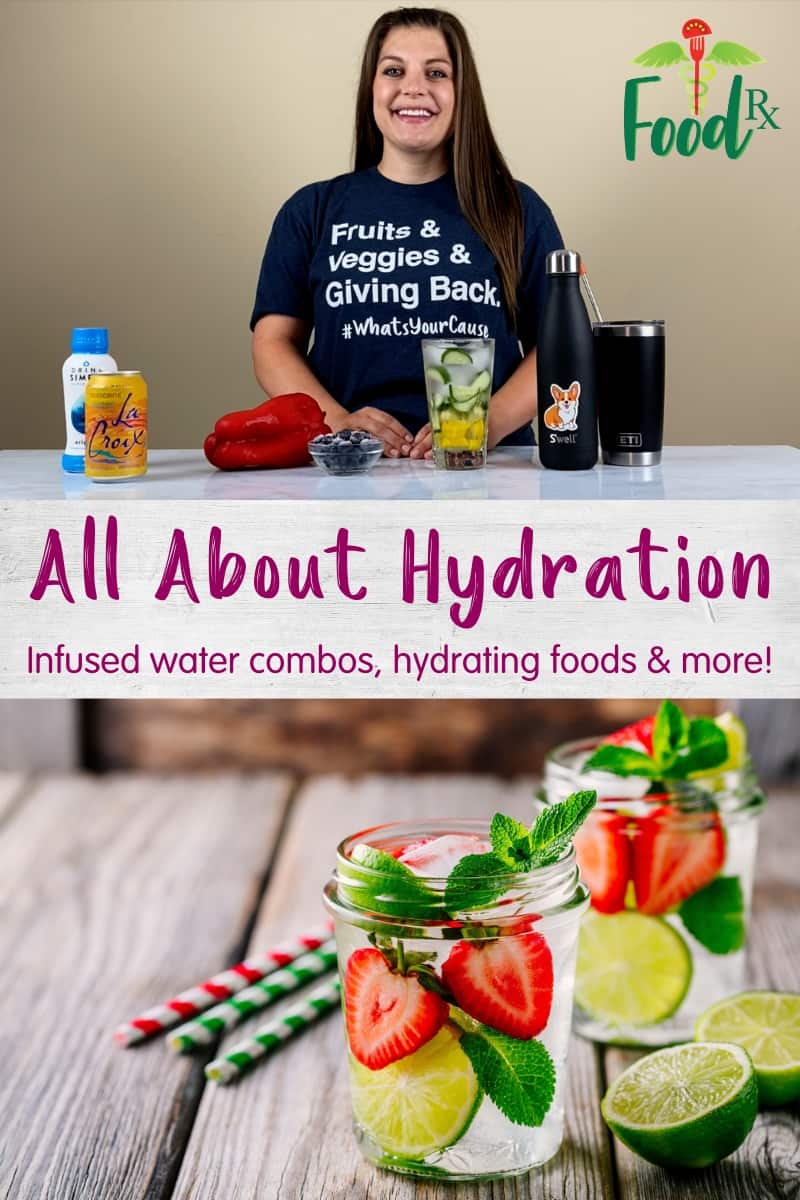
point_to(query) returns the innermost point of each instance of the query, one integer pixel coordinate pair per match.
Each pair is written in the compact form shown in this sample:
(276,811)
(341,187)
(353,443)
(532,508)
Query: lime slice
(632,969)
(767,1025)
(686,1106)
(420,1103)
(455,356)
(375,880)
(736,733)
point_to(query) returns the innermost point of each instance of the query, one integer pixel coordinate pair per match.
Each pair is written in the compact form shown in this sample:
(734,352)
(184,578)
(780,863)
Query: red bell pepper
(274,434)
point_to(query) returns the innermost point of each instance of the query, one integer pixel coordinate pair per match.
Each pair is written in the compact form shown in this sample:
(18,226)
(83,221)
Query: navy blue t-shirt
(375,266)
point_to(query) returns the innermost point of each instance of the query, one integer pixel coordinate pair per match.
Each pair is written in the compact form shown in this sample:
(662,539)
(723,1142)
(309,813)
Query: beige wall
(149,144)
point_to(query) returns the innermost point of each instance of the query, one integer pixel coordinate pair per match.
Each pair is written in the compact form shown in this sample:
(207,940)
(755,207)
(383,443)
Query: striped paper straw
(224,1016)
(220,987)
(246,1054)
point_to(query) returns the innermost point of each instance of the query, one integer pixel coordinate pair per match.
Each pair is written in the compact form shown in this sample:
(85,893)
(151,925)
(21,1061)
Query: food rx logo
(746,106)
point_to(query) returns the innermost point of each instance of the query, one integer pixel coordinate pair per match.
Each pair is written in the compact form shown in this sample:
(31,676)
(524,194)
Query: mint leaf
(472,883)
(555,828)
(621,760)
(518,1076)
(377,881)
(715,915)
(707,748)
(510,842)
(670,732)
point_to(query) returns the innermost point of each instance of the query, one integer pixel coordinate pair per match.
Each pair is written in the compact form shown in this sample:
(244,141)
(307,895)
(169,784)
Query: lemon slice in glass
(420,1104)
(632,969)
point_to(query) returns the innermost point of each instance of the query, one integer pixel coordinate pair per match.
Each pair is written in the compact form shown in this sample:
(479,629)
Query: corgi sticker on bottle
(563,413)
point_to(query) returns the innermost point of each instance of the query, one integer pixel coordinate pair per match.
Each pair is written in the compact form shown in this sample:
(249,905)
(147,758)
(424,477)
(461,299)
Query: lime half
(632,969)
(686,1106)
(421,1103)
(767,1025)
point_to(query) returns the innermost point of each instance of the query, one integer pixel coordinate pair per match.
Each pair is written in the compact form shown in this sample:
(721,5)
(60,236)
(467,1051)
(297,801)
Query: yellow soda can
(116,426)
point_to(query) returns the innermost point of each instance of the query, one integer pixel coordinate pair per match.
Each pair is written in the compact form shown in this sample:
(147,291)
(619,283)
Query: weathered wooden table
(117,891)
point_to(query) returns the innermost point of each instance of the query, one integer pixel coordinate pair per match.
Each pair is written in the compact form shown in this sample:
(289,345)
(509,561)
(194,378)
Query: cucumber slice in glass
(438,375)
(455,356)
(464,395)
(482,381)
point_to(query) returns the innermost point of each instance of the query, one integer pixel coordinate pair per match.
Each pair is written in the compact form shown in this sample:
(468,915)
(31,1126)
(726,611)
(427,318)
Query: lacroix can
(116,426)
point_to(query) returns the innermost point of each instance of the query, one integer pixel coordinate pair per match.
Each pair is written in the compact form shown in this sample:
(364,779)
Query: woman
(428,236)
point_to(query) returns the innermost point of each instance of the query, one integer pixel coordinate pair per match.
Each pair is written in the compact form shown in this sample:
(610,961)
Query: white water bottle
(89,357)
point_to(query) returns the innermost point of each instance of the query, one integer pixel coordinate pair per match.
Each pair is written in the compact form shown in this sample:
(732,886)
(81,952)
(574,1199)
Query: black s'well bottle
(567,417)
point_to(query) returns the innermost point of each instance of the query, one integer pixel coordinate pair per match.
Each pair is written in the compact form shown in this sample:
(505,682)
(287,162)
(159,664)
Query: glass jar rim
(353,887)
(736,792)
(441,827)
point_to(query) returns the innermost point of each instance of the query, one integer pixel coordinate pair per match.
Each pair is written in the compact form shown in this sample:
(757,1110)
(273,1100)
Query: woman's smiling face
(413,93)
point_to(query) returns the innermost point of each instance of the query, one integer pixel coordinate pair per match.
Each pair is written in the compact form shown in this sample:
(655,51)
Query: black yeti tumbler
(629,364)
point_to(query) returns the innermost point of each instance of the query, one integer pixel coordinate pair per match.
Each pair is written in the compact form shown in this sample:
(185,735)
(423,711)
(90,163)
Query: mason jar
(433,993)
(669,867)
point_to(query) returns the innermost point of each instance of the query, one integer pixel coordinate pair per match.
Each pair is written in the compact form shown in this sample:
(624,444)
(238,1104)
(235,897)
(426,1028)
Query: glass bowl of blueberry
(348,452)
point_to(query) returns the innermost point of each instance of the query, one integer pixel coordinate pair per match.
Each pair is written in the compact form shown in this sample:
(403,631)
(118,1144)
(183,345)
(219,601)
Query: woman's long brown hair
(486,190)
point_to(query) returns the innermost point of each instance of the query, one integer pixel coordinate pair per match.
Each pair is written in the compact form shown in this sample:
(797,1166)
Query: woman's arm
(279,359)
(513,406)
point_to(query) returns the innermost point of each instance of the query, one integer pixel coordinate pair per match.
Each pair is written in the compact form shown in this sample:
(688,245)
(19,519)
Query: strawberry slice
(639,733)
(506,984)
(603,850)
(673,858)
(387,1015)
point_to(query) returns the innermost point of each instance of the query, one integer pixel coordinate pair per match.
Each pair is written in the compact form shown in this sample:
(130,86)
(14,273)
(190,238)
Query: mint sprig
(681,746)
(557,825)
(670,732)
(473,882)
(480,879)
(715,915)
(510,840)
(518,1076)
(622,760)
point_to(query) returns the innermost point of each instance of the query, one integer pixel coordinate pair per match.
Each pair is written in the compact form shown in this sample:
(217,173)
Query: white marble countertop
(686,473)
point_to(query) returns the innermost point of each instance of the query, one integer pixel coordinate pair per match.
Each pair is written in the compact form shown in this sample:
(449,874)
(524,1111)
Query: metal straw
(590,295)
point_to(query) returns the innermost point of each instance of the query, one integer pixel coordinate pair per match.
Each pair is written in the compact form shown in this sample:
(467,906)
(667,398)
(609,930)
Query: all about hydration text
(650,567)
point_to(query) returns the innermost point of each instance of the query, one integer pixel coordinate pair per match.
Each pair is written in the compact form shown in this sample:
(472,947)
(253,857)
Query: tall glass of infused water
(458,384)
